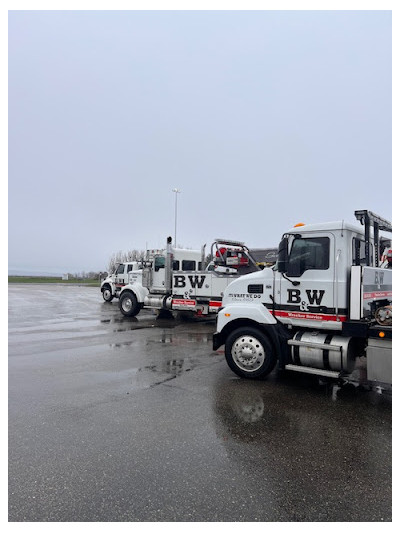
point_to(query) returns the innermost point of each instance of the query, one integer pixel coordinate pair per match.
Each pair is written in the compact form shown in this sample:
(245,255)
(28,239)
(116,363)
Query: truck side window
(120,269)
(159,262)
(129,268)
(308,254)
(175,265)
(188,265)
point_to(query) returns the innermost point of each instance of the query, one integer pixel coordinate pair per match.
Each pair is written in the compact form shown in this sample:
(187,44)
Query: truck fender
(254,313)
(257,315)
(110,282)
(138,290)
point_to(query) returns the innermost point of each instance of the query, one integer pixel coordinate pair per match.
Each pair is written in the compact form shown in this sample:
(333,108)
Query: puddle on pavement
(158,373)
(279,411)
(133,323)
(180,338)
(174,367)
(176,339)
(120,344)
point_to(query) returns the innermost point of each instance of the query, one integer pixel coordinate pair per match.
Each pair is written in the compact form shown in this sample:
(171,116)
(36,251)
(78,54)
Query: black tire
(128,304)
(249,353)
(107,293)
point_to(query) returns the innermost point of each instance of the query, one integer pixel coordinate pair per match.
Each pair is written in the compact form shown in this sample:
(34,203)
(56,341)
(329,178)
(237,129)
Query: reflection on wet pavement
(302,441)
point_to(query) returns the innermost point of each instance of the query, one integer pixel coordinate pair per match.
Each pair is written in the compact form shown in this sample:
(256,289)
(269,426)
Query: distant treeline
(72,279)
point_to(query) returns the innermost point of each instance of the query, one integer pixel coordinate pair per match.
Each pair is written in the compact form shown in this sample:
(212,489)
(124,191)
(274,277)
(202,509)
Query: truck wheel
(128,304)
(249,353)
(107,294)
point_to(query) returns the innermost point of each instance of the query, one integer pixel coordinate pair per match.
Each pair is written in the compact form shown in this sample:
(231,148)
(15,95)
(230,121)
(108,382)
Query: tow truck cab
(325,285)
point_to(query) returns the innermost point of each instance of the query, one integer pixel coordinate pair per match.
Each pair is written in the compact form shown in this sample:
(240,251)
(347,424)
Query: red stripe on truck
(189,303)
(309,316)
(377,294)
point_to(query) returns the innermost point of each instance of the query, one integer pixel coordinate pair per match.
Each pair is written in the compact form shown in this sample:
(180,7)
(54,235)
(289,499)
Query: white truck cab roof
(326,226)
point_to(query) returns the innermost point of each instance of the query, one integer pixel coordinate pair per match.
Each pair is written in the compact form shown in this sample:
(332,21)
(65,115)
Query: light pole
(176,191)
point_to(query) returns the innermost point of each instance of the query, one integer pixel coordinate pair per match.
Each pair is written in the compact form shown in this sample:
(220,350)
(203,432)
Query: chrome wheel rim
(248,353)
(127,304)
(106,294)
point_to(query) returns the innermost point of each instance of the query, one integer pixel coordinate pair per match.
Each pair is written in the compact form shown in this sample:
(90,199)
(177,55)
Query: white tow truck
(111,286)
(174,284)
(323,309)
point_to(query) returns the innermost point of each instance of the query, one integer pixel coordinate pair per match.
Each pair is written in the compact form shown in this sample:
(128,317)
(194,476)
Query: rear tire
(249,353)
(128,304)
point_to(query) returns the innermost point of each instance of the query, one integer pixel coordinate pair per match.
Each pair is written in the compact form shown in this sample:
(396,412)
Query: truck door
(126,274)
(120,275)
(158,274)
(305,290)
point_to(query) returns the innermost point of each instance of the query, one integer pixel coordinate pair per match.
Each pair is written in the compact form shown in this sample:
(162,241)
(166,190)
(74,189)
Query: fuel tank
(155,301)
(334,353)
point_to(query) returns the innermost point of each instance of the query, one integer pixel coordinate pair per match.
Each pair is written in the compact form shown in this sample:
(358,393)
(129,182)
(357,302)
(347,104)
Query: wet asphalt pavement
(137,419)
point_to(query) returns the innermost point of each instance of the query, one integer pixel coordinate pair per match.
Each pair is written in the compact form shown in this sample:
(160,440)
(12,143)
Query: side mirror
(283,255)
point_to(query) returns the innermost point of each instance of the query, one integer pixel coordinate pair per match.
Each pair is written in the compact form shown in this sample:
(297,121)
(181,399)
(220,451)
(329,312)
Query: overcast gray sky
(261,118)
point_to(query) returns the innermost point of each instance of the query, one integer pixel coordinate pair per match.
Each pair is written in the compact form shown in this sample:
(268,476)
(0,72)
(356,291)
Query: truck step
(318,346)
(316,371)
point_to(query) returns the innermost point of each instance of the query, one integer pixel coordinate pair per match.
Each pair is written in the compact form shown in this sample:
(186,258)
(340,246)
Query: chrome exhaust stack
(168,266)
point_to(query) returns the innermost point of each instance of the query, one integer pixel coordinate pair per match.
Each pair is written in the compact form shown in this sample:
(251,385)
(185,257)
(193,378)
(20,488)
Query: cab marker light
(227,314)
